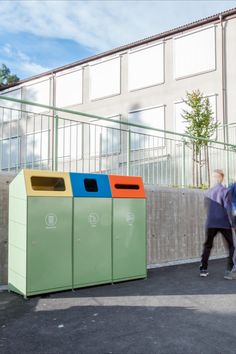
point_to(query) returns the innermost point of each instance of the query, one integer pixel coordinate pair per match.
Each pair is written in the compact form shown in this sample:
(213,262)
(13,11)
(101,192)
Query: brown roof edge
(161,35)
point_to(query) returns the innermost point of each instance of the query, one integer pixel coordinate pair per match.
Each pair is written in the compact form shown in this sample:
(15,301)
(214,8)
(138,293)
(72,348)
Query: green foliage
(200,121)
(6,77)
(200,128)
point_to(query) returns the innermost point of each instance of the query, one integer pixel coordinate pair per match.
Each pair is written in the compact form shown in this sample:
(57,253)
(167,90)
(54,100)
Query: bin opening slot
(55,184)
(126,186)
(90,185)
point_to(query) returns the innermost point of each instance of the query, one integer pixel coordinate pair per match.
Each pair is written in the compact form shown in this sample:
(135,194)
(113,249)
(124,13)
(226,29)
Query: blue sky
(36,36)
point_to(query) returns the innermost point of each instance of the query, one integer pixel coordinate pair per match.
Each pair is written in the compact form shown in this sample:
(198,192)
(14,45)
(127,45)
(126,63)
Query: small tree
(201,127)
(6,77)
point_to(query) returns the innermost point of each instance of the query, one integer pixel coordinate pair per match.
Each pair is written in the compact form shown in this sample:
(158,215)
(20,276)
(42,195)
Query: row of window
(193,53)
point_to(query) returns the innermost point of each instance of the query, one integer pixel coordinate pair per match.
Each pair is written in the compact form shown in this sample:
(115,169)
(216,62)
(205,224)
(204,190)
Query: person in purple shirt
(218,221)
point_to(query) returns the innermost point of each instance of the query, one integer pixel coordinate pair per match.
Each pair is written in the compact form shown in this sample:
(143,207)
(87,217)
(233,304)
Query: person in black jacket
(231,275)
(217,202)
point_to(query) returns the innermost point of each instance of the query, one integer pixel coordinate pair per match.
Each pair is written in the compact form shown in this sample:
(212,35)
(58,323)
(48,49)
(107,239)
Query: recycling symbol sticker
(93,219)
(51,221)
(130,218)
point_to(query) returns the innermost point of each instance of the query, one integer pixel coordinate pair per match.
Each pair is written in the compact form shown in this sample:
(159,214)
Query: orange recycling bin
(129,228)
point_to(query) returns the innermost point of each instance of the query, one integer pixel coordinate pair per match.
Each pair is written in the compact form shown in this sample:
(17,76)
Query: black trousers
(210,235)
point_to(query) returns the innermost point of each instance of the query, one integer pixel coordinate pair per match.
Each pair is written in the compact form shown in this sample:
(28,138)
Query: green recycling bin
(129,228)
(92,263)
(40,232)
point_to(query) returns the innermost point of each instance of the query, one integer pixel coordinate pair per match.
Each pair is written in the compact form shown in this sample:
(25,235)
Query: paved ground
(172,312)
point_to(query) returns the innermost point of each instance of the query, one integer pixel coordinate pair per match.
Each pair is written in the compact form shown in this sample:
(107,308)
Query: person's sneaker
(229,275)
(203,273)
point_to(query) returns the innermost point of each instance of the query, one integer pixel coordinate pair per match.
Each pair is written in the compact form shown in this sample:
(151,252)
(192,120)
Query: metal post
(227,165)
(82,145)
(55,143)
(183,166)
(128,152)
(54,129)
(100,151)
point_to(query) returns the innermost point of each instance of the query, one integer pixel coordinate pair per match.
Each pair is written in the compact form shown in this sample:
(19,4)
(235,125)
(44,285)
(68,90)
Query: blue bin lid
(90,185)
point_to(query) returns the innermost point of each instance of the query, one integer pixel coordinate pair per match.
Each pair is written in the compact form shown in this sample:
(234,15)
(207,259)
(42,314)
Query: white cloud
(100,25)
(7,50)
(32,68)
(15,59)
(97,25)
(93,24)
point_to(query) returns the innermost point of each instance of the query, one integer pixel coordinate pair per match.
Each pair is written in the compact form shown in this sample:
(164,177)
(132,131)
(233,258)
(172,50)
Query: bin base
(11,288)
(143,276)
(87,285)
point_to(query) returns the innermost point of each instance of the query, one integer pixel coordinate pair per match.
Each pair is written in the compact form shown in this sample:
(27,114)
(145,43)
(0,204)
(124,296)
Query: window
(37,148)
(105,78)
(10,111)
(105,137)
(180,123)
(38,93)
(69,142)
(69,89)
(145,138)
(194,53)
(10,152)
(146,67)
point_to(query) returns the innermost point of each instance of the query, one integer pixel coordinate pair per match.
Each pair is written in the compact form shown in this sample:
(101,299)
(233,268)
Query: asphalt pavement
(174,311)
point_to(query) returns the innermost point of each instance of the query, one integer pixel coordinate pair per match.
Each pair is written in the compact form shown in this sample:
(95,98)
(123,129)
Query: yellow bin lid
(47,183)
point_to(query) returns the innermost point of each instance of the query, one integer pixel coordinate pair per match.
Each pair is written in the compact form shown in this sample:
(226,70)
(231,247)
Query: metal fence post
(55,143)
(183,166)
(227,165)
(128,152)
(100,152)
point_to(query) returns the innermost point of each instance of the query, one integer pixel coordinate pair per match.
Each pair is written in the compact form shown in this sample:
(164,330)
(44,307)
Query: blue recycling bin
(92,229)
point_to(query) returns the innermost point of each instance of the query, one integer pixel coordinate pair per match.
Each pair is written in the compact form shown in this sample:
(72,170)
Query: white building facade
(145,82)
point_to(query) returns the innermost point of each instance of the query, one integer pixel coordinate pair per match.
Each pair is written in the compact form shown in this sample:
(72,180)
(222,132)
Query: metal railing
(44,137)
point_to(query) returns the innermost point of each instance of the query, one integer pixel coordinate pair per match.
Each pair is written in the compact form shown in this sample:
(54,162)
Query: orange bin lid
(126,187)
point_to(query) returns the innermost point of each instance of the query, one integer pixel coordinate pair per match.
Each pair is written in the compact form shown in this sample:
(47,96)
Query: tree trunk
(200,164)
(197,179)
(193,167)
(206,170)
